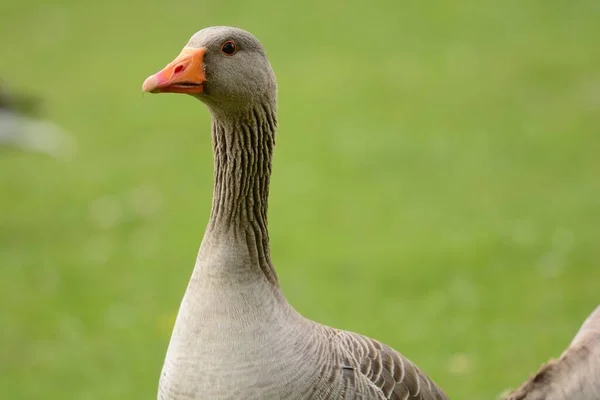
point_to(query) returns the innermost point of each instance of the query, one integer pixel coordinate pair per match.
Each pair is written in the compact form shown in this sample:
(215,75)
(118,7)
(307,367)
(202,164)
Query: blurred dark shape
(23,103)
(575,375)
(22,127)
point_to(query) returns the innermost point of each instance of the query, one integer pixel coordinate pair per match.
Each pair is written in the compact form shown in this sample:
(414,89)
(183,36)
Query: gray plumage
(575,375)
(236,336)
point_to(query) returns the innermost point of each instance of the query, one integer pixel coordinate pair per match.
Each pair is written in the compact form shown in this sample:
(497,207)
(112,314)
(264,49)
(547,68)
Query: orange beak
(185,74)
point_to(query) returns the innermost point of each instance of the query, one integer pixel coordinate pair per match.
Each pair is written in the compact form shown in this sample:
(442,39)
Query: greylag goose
(575,375)
(21,127)
(236,336)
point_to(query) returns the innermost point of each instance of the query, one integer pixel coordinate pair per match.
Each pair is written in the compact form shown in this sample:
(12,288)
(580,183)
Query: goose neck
(243,149)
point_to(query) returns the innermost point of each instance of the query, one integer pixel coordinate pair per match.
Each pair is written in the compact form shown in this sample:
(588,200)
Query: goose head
(224,67)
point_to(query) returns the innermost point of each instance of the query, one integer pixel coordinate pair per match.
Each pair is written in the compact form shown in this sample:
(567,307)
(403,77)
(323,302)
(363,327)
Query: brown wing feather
(393,374)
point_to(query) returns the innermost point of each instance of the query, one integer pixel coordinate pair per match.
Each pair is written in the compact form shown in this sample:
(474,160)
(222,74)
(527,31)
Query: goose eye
(229,48)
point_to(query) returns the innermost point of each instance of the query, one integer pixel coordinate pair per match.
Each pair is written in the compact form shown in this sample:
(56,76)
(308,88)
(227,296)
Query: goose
(575,375)
(235,335)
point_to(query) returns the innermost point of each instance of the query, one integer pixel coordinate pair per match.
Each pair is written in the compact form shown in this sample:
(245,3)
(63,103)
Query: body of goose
(575,375)
(236,336)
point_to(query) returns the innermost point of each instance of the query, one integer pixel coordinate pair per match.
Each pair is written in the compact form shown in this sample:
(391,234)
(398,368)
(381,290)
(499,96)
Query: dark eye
(229,48)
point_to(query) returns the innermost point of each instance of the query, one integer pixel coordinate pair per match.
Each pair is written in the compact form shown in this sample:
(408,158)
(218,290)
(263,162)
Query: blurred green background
(436,184)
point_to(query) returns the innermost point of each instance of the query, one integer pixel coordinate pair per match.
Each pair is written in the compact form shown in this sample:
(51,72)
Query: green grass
(436,184)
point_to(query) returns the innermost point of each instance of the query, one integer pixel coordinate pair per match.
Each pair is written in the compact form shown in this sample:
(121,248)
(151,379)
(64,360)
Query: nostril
(179,68)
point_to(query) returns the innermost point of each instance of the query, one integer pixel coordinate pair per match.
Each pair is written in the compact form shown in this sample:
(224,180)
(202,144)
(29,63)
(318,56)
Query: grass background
(436,184)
